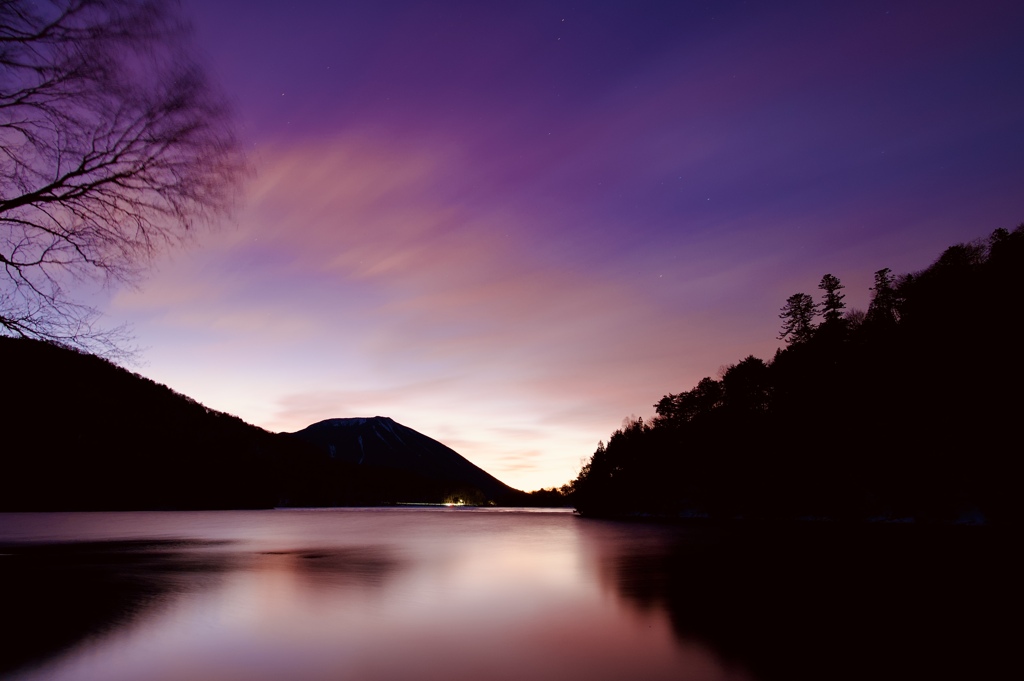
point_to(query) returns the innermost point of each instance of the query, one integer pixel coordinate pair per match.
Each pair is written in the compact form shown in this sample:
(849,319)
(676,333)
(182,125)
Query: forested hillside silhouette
(84,434)
(81,433)
(909,410)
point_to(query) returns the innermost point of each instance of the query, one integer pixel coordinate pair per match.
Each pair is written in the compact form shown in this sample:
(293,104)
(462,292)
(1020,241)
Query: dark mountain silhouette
(907,411)
(80,433)
(380,444)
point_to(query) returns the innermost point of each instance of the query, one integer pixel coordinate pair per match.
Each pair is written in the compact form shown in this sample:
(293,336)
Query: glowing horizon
(509,226)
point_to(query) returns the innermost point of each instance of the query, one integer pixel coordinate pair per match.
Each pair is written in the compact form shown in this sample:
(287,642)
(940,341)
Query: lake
(471,594)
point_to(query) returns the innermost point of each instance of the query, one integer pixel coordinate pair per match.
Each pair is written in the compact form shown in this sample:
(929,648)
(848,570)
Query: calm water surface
(480,594)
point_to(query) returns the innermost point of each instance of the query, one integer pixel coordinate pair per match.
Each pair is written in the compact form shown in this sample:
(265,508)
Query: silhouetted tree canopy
(797,317)
(883,309)
(907,411)
(113,145)
(689,405)
(832,304)
(748,385)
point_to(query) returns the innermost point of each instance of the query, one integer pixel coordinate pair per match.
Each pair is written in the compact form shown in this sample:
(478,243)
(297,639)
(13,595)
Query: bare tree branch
(113,146)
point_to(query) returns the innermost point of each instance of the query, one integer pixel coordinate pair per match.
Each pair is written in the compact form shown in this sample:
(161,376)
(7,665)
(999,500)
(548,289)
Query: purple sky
(509,225)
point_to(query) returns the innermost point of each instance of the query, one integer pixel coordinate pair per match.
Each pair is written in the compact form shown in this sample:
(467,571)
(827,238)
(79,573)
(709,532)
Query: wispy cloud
(398,301)
(512,251)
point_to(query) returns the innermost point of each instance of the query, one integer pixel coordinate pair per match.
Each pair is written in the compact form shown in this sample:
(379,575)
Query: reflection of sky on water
(379,594)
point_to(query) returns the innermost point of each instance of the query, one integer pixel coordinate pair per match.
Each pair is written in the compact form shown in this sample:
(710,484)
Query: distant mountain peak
(380,442)
(353,421)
